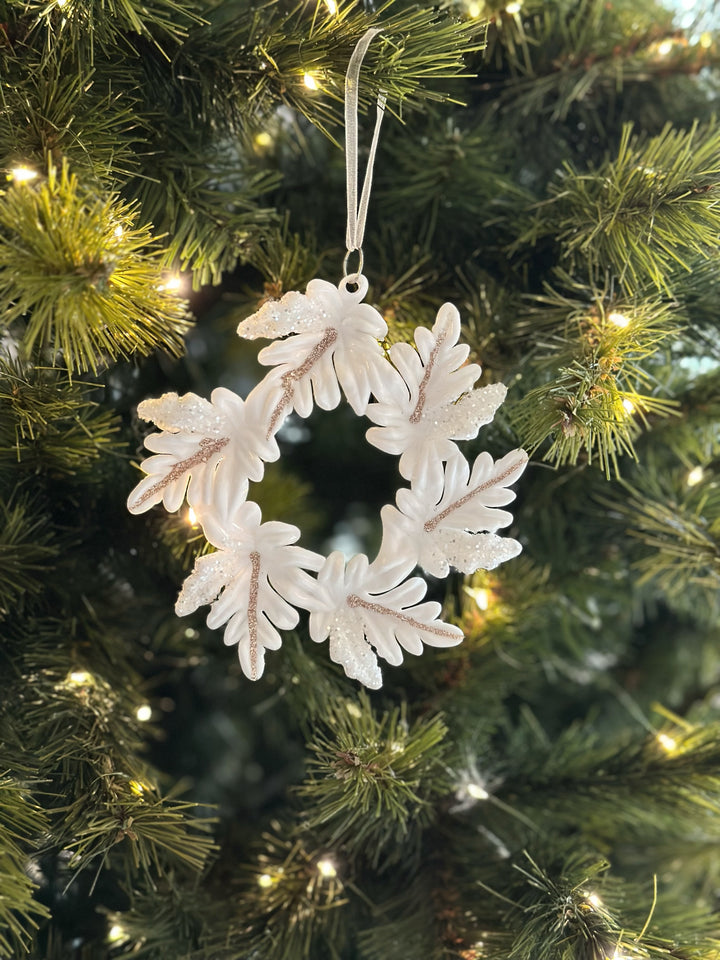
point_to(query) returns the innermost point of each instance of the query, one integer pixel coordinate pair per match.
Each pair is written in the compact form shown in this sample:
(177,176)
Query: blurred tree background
(547,790)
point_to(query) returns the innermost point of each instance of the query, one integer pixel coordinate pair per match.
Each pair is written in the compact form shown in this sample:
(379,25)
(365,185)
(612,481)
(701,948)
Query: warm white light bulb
(172,284)
(116,933)
(310,81)
(191,517)
(79,677)
(265,880)
(477,791)
(263,140)
(665,47)
(482,598)
(666,742)
(23,174)
(628,405)
(331,6)
(474,9)
(695,476)
(118,231)
(144,712)
(619,319)
(514,7)
(594,900)
(326,868)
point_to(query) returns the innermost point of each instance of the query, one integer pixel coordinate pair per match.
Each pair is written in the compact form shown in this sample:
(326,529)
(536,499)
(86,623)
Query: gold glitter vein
(492,482)
(417,412)
(252,611)
(292,376)
(354,601)
(208,448)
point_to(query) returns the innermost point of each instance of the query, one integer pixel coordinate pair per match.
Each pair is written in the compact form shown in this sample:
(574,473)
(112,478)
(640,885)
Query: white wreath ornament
(208,451)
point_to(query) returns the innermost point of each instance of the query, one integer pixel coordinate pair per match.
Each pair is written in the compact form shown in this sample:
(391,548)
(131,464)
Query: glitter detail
(252,611)
(416,415)
(492,482)
(354,601)
(292,376)
(208,448)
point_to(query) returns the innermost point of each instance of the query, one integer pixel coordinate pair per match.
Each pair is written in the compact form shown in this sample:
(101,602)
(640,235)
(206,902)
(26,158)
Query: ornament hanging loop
(346,261)
(357,213)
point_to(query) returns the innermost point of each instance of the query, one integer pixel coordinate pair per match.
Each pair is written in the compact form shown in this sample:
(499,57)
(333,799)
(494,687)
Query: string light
(477,791)
(79,678)
(482,598)
(706,40)
(116,933)
(474,10)
(628,405)
(144,712)
(666,742)
(480,595)
(192,517)
(326,868)
(263,140)
(619,319)
(695,476)
(118,231)
(514,8)
(665,48)
(137,787)
(310,81)
(265,881)
(331,6)
(172,284)
(23,174)
(594,900)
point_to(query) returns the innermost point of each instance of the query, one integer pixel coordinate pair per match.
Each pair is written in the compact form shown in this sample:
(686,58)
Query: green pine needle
(76,269)
(642,214)
(371,780)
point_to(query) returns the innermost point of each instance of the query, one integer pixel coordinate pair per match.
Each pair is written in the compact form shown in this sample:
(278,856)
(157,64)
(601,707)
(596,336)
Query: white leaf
(437,524)
(248,581)
(426,405)
(366,613)
(203,443)
(333,344)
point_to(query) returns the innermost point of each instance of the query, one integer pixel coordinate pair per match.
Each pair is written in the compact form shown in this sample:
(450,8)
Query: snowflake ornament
(421,401)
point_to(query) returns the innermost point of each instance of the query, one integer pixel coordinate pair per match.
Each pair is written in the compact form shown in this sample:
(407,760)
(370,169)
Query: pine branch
(371,782)
(88,27)
(642,214)
(683,533)
(22,822)
(294,901)
(592,404)
(55,109)
(449,167)
(49,424)
(74,266)
(204,197)
(581,55)
(27,552)
(264,57)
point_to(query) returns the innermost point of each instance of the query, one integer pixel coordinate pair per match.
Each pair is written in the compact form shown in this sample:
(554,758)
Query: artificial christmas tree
(549,787)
